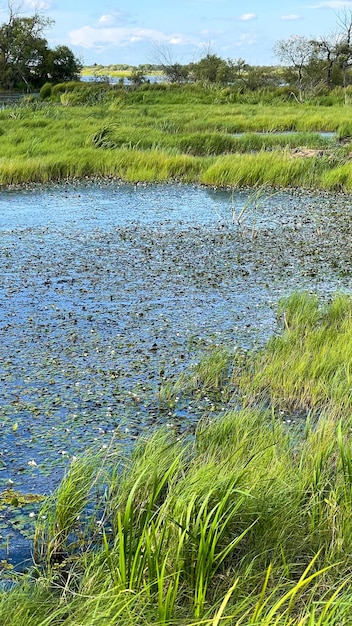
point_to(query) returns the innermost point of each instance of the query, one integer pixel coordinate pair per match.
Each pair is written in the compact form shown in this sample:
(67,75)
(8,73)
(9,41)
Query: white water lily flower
(32,463)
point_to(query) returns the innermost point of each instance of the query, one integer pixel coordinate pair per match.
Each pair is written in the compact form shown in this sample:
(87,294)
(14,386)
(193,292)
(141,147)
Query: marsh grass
(157,134)
(246,523)
(209,378)
(309,365)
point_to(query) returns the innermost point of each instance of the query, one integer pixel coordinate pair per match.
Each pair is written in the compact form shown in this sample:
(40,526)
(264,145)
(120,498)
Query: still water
(106,290)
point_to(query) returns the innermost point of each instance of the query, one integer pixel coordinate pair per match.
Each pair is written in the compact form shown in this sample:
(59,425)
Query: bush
(60,88)
(45,91)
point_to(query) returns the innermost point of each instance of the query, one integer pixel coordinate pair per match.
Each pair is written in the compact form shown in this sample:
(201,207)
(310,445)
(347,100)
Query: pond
(107,289)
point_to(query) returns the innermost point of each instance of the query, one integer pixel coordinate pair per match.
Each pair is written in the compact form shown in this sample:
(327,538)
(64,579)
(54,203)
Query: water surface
(106,290)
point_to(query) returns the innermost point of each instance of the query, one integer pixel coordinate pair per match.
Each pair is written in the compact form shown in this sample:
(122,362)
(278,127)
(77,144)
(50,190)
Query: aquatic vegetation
(243,518)
(17,499)
(246,517)
(208,378)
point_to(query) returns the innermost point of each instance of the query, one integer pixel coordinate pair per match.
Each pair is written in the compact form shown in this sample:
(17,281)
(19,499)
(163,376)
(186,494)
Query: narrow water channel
(106,289)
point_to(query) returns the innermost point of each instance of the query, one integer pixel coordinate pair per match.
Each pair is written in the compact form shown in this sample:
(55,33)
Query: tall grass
(158,134)
(308,366)
(246,523)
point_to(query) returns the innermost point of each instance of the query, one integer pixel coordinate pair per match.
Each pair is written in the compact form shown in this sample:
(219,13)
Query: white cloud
(247,39)
(114,19)
(290,18)
(107,19)
(247,17)
(97,38)
(37,5)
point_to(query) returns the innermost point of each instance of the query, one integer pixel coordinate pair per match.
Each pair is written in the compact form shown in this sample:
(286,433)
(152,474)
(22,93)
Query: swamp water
(108,289)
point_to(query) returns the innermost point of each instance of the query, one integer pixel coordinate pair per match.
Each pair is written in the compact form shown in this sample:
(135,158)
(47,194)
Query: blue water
(108,289)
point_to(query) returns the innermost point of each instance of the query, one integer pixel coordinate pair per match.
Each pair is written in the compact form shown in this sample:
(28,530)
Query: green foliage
(59,530)
(25,58)
(171,133)
(344,131)
(308,366)
(65,87)
(46,91)
(247,522)
(62,64)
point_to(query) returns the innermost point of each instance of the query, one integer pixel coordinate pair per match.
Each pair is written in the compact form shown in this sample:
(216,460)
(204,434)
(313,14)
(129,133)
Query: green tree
(136,77)
(212,69)
(23,50)
(62,65)
(25,57)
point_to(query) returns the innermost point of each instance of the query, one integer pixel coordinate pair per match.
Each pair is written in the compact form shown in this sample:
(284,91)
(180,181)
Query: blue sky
(134,31)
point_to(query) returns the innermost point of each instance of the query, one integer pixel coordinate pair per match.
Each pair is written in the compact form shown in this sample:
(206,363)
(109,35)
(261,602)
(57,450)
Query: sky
(140,31)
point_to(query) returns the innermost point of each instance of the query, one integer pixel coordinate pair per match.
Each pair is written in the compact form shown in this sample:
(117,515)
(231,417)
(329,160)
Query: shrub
(45,91)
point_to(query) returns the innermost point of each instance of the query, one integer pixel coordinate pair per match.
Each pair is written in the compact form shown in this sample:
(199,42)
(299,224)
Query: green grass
(239,523)
(247,522)
(309,365)
(159,133)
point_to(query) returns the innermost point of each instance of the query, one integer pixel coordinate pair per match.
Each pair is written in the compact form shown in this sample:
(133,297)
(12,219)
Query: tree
(23,49)
(62,65)
(297,51)
(324,61)
(136,77)
(261,76)
(25,56)
(212,69)
(172,69)
(344,46)
(327,51)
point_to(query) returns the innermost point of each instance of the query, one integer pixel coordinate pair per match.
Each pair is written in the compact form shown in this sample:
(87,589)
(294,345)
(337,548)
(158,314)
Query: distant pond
(106,289)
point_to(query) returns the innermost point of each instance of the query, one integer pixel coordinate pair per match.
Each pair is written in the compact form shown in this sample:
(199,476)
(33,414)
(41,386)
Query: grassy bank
(160,133)
(247,522)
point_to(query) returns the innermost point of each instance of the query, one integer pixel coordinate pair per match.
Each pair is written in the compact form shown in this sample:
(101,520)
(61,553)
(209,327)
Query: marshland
(176,329)
(189,134)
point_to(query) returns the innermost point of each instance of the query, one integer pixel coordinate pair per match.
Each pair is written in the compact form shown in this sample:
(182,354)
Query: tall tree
(172,69)
(25,57)
(212,69)
(23,49)
(327,50)
(297,52)
(344,45)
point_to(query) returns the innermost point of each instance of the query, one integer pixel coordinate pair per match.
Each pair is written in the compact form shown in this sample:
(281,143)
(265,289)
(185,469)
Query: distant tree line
(308,65)
(26,61)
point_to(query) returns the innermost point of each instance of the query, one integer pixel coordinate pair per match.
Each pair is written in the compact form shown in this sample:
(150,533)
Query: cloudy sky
(135,31)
